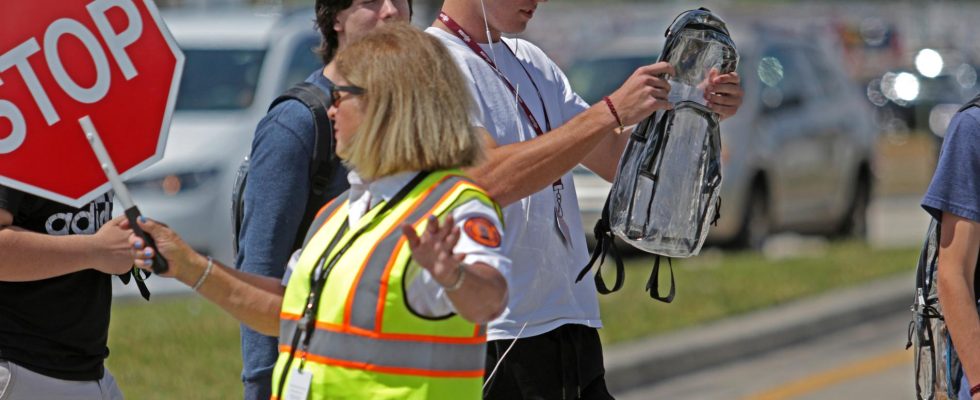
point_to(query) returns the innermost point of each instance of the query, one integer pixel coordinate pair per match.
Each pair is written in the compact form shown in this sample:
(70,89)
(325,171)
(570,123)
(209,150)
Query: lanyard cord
(560,225)
(460,33)
(318,278)
(544,107)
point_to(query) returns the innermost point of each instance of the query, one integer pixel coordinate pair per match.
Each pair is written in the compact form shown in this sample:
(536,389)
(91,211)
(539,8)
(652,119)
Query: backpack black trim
(321,166)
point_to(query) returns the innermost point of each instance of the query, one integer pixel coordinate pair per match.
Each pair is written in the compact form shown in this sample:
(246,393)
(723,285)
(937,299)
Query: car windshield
(594,78)
(219,79)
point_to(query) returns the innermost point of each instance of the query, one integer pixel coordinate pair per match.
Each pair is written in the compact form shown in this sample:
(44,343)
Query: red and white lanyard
(557,186)
(466,38)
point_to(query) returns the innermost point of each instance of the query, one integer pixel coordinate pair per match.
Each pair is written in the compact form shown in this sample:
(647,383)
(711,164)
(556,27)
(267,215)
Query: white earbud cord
(486,27)
(501,360)
(493,55)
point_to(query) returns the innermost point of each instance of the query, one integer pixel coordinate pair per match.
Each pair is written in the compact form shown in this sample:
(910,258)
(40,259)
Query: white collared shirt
(425,295)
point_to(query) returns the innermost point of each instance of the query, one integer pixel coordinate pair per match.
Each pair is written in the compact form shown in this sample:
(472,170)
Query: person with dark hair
(279,173)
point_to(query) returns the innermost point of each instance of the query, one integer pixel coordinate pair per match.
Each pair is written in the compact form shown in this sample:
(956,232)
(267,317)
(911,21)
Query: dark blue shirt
(277,188)
(955,186)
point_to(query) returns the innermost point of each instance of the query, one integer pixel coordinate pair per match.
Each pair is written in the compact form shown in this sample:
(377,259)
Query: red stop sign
(113,61)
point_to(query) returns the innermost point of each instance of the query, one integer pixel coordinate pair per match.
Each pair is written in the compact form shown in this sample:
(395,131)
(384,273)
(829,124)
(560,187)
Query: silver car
(798,155)
(237,63)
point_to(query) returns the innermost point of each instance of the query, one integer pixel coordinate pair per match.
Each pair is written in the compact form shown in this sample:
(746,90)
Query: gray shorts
(19,383)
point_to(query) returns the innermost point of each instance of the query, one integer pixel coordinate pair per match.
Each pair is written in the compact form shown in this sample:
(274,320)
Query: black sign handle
(160,264)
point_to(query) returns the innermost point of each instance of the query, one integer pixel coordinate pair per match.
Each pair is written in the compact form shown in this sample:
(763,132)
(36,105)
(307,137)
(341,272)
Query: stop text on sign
(18,58)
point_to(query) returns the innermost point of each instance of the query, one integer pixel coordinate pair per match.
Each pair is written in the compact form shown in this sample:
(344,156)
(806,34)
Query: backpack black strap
(605,243)
(653,284)
(324,156)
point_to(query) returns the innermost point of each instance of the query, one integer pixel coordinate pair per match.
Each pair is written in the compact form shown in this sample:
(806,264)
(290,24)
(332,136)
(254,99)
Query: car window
(303,60)
(780,72)
(219,79)
(594,78)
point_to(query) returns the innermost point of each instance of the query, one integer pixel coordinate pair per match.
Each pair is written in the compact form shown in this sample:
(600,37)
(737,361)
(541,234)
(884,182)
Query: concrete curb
(656,359)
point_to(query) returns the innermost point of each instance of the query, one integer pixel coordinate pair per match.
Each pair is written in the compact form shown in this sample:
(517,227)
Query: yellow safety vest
(366,343)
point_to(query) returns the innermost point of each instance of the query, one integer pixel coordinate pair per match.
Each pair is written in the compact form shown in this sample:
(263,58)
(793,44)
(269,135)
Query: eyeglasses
(336,96)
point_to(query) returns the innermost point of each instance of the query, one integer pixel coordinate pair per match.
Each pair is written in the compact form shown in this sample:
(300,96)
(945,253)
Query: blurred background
(845,106)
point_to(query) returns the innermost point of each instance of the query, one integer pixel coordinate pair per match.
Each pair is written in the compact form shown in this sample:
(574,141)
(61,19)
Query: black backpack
(938,371)
(321,168)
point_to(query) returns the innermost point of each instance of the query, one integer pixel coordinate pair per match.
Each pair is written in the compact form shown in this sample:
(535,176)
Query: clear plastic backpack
(666,192)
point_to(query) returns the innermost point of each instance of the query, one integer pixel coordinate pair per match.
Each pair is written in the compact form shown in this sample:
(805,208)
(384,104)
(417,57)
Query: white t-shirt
(425,295)
(542,287)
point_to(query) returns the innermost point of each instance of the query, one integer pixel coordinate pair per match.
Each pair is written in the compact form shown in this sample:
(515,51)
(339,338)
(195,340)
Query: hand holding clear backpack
(666,191)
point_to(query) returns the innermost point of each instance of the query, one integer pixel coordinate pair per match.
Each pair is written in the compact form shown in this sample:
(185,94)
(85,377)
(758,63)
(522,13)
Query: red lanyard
(557,186)
(465,37)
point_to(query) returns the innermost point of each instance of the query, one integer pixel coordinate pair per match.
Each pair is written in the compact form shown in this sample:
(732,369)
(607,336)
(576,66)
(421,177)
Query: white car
(237,62)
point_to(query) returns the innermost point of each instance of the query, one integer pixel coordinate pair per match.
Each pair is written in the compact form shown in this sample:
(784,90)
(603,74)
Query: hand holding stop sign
(106,64)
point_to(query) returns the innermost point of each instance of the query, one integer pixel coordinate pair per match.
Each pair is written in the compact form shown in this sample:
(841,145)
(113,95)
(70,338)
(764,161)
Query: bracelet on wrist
(204,276)
(459,281)
(612,109)
(975,389)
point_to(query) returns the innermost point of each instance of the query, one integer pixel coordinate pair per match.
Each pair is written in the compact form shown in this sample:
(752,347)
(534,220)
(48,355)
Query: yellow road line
(834,376)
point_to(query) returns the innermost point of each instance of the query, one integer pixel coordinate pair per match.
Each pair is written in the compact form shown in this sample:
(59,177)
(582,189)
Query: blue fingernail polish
(138,245)
(147,262)
(148,252)
(142,219)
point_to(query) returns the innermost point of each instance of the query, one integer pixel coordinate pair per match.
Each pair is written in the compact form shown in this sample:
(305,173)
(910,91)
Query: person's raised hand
(434,249)
(723,93)
(177,253)
(643,93)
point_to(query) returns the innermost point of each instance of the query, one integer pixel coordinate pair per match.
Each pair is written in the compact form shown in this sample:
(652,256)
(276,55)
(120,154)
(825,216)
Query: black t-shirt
(58,326)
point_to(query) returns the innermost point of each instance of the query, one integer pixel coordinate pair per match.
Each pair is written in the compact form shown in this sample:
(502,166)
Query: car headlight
(173,184)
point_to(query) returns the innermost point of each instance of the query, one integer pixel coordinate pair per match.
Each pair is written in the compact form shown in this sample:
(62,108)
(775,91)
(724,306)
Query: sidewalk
(655,359)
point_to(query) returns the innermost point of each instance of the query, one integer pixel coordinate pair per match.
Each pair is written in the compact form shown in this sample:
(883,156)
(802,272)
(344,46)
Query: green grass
(717,285)
(174,348)
(186,348)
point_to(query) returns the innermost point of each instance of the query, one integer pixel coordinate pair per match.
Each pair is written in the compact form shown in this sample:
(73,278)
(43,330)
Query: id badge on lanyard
(299,385)
(560,225)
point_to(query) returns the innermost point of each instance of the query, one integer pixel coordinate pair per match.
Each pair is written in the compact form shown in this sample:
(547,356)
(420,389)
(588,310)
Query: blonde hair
(416,104)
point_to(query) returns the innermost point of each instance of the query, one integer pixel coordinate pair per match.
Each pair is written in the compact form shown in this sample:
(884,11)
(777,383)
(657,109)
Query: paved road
(866,361)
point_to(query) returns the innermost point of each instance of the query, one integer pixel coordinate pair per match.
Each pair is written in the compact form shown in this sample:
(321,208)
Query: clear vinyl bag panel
(666,192)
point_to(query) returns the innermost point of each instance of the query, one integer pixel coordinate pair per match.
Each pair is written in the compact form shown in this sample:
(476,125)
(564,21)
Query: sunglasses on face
(337,96)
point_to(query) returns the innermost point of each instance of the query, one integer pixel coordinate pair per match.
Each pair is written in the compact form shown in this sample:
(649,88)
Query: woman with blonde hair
(389,295)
